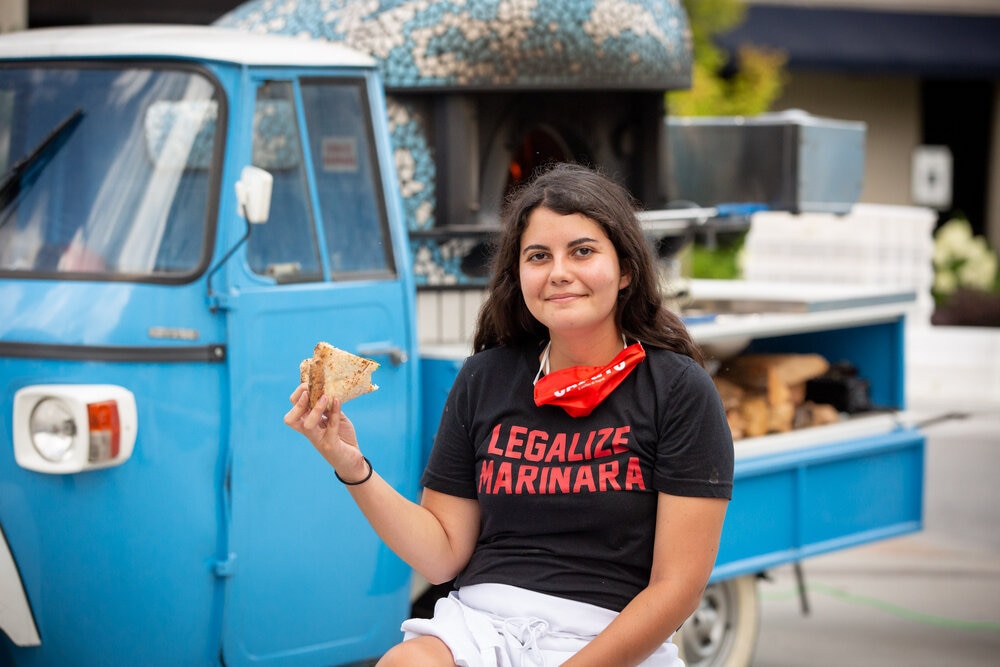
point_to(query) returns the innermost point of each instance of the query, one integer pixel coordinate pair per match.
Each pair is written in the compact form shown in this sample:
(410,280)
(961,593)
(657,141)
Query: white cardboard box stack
(873,245)
(885,246)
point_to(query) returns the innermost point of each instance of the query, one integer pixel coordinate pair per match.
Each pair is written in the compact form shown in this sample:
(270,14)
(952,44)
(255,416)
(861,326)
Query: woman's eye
(584,251)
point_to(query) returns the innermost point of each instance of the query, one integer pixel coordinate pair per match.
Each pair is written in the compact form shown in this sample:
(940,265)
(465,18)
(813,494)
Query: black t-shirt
(568,505)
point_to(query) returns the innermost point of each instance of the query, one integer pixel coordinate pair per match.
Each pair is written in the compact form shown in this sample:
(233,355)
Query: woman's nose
(560,272)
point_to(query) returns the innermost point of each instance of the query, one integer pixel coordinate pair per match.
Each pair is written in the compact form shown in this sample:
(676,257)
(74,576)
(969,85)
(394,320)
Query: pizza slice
(336,373)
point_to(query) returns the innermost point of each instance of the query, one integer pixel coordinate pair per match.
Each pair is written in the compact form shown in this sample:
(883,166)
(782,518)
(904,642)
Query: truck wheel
(723,630)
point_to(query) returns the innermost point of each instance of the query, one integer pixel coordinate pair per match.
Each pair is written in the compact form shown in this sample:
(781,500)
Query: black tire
(723,630)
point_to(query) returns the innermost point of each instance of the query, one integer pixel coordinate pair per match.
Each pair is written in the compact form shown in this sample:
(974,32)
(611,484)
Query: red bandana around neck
(580,389)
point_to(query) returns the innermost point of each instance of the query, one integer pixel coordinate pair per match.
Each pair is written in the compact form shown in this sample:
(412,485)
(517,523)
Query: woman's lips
(559,298)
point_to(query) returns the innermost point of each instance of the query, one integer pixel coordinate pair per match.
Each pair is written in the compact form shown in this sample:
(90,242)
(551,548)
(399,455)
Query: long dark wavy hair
(566,189)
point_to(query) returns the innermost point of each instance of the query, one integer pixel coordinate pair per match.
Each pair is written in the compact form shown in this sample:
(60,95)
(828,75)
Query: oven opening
(541,146)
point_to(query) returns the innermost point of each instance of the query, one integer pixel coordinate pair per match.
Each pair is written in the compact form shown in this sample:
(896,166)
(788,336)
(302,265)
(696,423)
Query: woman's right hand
(330,432)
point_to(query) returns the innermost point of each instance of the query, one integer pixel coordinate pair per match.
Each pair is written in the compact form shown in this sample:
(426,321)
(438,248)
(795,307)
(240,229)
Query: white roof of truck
(179,41)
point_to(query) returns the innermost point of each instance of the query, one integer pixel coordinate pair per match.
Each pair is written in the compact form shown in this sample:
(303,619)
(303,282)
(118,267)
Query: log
(815,414)
(756,415)
(730,392)
(781,417)
(779,375)
(737,424)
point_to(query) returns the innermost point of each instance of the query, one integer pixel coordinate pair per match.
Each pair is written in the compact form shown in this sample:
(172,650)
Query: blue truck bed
(813,490)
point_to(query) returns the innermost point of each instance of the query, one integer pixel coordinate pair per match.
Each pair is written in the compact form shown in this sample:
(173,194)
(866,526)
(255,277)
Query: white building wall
(890,107)
(13,15)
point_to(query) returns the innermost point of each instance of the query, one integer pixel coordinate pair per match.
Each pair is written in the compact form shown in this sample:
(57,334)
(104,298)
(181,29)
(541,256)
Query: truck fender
(16,618)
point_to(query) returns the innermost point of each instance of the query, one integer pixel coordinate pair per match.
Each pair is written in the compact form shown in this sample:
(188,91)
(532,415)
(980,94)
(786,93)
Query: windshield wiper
(35,160)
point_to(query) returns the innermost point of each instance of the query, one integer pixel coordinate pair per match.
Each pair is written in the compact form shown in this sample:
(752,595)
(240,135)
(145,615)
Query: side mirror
(253,194)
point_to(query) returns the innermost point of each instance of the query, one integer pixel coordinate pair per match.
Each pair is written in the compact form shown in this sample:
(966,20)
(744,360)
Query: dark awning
(920,44)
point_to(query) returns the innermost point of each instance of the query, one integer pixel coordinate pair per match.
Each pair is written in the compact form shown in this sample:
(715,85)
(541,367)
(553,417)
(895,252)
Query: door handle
(397,355)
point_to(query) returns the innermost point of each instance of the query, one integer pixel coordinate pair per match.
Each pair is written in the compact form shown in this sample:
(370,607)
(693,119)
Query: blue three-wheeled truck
(184,212)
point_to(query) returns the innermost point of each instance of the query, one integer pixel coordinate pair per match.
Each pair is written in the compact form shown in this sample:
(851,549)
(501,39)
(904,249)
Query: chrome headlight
(71,428)
(52,429)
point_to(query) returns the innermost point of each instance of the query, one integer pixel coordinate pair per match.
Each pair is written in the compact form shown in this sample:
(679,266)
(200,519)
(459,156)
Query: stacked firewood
(766,393)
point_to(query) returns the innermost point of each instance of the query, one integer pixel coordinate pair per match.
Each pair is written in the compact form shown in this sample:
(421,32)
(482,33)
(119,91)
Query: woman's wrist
(360,478)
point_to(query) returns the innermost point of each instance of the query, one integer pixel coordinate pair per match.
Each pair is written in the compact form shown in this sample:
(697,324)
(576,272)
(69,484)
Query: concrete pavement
(922,600)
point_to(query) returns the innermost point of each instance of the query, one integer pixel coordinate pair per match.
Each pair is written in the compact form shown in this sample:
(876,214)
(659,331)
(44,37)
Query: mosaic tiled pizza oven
(481,92)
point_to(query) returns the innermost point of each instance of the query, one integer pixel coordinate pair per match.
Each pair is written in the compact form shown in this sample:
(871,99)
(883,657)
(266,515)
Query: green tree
(720,87)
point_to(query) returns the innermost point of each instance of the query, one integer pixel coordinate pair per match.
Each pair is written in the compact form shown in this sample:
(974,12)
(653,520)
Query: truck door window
(107,170)
(348,185)
(285,248)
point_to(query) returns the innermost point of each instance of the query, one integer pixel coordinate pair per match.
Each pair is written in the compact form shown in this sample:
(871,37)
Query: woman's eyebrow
(571,244)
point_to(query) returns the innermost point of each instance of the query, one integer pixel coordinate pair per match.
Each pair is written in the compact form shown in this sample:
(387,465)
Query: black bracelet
(371,470)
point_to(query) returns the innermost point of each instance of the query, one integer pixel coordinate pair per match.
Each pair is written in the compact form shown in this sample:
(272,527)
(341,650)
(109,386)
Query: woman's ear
(625,280)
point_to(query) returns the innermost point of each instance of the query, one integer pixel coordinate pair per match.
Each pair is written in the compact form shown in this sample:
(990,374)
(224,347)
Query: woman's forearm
(642,627)
(412,531)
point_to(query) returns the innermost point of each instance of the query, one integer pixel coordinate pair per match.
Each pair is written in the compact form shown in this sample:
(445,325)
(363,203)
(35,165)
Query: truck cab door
(306,576)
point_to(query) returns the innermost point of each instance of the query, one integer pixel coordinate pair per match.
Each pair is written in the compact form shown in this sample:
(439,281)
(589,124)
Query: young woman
(580,475)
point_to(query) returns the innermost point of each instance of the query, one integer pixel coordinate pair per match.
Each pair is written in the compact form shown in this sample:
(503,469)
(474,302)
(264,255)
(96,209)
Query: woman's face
(569,271)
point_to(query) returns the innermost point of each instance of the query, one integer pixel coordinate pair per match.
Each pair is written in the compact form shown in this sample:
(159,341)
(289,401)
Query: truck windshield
(106,171)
